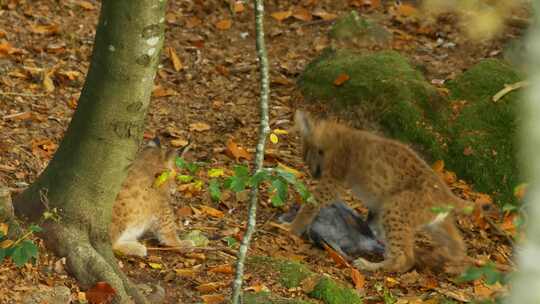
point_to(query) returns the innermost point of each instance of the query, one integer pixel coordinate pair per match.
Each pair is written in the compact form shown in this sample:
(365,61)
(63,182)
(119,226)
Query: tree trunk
(86,173)
(526,281)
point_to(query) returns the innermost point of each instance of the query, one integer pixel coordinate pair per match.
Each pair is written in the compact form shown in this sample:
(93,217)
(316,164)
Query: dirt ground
(45,48)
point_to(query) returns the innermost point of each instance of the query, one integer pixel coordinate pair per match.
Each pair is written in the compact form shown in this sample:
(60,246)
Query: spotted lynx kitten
(400,190)
(141,206)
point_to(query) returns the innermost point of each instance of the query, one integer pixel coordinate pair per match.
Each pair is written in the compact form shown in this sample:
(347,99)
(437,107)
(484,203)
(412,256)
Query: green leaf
(442,209)
(288,176)
(180,162)
(492,274)
(280,195)
(259,177)
(192,167)
(184,178)
(302,190)
(230,241)
(237,184)
(24,252)
(3,254)
(35,228)
(215,192)
(509,208)
(241,171)
(471,274)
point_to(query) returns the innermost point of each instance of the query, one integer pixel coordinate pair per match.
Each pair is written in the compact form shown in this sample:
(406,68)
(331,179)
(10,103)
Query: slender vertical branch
(259,155)
(526,283)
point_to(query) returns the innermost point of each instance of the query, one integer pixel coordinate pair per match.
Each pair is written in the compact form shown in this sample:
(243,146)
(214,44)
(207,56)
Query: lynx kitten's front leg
(322,194)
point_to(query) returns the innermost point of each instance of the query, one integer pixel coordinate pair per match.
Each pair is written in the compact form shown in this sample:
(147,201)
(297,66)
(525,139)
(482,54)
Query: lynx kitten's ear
(303,123)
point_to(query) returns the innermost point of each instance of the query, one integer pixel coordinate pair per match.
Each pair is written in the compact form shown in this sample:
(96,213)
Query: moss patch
(482,148)
(385,87)
(268,298)
(329,291)
(293,274)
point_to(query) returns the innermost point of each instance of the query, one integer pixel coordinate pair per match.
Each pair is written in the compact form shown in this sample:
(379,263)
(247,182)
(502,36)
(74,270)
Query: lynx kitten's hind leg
(399,234)
(447,238)
(167,234)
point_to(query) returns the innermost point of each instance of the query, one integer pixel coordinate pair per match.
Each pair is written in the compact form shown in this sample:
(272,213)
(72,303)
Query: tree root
(90,263)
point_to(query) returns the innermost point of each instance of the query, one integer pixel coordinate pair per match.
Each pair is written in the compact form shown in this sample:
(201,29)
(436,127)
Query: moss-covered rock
(294,274)
(268,298)
(385,87)
(360,30)
(482,148)
(329,291)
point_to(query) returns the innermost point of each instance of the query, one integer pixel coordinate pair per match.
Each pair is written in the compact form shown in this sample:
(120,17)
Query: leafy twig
(259,155)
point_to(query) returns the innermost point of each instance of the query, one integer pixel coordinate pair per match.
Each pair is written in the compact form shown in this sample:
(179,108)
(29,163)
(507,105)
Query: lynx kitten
(400,190)
(140,206)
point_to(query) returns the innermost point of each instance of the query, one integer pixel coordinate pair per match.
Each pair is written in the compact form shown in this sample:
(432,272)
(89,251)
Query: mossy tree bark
(86,173)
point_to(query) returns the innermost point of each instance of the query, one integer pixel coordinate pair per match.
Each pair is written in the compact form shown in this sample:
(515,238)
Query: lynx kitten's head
(153,157)
(317,141)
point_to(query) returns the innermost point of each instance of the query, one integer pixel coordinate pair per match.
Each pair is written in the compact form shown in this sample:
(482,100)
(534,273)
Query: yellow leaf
(86,5)
(6,243)
(155,265)
(4,228)
(273,138)
(286,168)
(185,272)
(48,83)
(216,172)
(163,178)
(199,126)
(280,132)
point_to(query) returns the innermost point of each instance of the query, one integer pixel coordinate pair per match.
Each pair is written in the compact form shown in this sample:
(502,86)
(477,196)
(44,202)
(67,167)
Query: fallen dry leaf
(86,5)
(213,299)
(324,15)
(192,22)
(210,287)
(48,83)
(341,79)
(185,272)
(160,91)
(224,24)
(438,166)
(101,293)
(257,288)
(406,10)
(226,269)
(238,7)
(199,126)
(302,14)
(336,257)
(358,279)
(280,16)
(236,151)
(212,212)
(45,29)
(179,142)
(177,64)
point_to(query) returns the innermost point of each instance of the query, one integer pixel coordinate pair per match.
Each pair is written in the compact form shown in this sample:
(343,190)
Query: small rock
(46,294)
(197,237)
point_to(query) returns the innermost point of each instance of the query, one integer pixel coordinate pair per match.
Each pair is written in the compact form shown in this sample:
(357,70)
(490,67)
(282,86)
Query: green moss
(483,148)
(329,291)
(268,298)
(385,87)
(291,274)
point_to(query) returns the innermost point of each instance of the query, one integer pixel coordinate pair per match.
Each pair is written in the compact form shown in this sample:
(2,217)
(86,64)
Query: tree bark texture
(86,172)
(526,281)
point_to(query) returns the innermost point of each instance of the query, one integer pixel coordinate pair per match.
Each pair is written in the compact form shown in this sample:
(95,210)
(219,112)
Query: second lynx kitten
(141,206)
(396,185)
